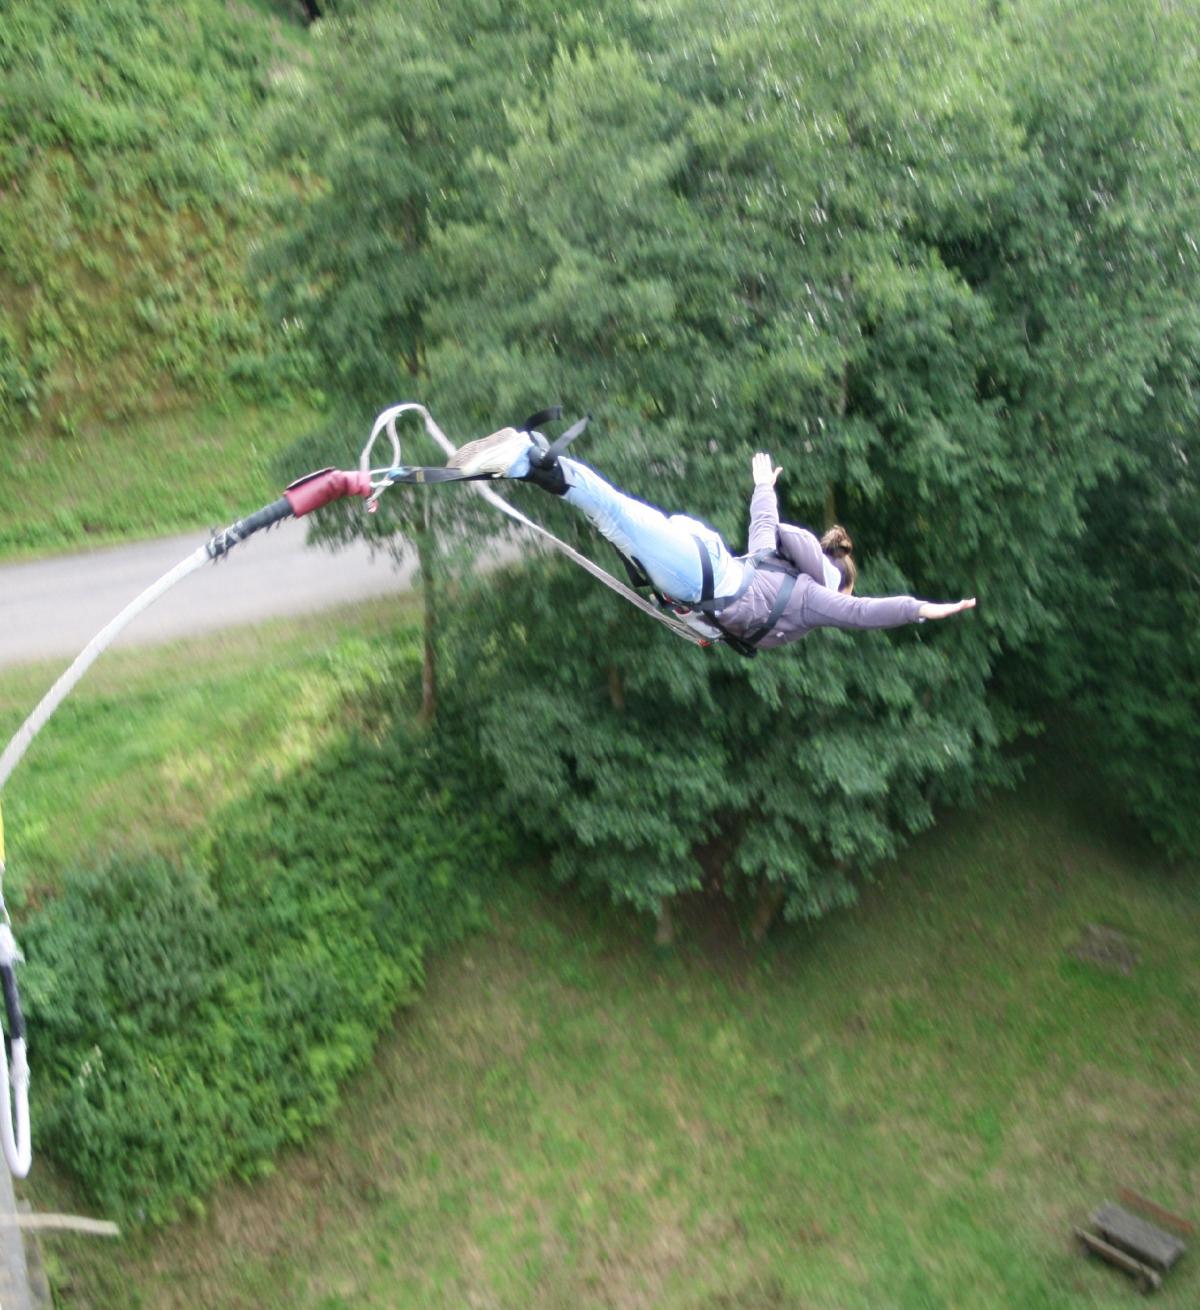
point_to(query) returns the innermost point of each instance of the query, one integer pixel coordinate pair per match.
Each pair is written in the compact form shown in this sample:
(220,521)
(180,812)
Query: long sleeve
(801,548)
(823,608)
(764,519)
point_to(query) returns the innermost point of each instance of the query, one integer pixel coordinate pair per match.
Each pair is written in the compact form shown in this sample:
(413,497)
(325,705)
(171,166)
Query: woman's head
(837,545)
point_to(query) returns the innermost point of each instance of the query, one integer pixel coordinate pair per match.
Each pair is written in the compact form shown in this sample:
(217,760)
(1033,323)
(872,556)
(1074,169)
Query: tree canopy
(940,263)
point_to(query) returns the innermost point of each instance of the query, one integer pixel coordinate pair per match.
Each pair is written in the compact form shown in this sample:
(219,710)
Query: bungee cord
(25,734)
(302,497)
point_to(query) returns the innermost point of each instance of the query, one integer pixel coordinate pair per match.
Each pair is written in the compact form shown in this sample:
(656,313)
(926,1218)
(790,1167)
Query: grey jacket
(811,604)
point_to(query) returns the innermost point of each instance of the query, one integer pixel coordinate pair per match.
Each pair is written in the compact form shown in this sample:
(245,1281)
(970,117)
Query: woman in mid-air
(786,585)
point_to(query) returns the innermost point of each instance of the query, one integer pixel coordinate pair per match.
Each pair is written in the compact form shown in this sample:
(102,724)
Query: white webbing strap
(387,420)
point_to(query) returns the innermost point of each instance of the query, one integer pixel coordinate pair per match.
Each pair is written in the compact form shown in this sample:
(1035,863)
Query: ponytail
(837,545)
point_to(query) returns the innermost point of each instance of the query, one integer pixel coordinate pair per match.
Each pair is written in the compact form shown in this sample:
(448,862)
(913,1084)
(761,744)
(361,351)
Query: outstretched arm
(829,609)
(797,545)
(764,506)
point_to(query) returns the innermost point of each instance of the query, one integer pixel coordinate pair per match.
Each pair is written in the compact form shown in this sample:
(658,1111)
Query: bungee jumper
(787,584)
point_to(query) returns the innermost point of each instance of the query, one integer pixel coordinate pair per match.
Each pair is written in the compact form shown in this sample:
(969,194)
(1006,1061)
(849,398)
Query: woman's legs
(664,545)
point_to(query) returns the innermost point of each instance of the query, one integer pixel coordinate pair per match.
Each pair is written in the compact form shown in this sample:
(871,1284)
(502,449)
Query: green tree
(387,129)
(735,243)
(374,130)
(1105,94)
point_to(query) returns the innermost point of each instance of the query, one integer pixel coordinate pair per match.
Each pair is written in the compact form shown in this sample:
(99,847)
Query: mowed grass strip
(155,740)
(147,477)
(906,1106)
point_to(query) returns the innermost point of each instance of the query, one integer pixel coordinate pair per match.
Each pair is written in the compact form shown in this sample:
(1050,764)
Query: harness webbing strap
(542,416)
(710,604)
(634,571)
(782,596)
(559,444)
(421,474)
(706,572)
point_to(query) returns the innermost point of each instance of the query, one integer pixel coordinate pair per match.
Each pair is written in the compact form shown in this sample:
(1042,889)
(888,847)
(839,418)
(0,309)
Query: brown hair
(837,545)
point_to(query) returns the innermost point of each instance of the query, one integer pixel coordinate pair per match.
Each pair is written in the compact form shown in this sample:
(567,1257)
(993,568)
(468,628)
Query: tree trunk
(616,689)
(770,899)
(428,559)
(664,928)
(843,403)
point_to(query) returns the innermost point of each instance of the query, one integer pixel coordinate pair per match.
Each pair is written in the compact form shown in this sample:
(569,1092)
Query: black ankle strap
(542,416)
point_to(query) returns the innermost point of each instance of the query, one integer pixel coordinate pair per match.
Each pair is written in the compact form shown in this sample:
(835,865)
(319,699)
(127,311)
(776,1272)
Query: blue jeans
(663,544)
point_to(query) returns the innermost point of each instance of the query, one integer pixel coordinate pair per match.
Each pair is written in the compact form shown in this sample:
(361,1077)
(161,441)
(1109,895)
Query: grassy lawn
(152,742)
(906,1106)
(171,473)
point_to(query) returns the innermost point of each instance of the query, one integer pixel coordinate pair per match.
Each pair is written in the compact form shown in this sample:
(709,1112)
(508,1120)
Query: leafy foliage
(765,271)
(193,1022)
(942,264)
(937,289)
(134,185)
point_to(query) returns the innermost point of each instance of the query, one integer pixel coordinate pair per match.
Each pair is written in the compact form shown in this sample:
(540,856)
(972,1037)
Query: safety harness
(696,620)
(707,609)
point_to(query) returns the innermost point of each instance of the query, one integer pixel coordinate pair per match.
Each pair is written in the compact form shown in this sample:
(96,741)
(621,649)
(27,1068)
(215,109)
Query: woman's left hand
(932,610)
(764,473)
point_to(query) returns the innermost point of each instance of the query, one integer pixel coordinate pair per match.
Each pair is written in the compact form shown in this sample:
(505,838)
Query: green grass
(177,472)
(154,741)
(136,172)
(907,1106)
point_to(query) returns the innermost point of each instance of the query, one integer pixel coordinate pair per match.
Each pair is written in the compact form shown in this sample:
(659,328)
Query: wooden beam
(1145,1242)
(75,1222)
(1130,1197)
(1147,1279)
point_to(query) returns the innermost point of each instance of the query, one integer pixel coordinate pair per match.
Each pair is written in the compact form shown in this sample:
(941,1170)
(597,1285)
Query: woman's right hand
(933,610)
(764,473)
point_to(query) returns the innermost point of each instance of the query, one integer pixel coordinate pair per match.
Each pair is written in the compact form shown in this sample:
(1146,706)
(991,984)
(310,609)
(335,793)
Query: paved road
(52,608)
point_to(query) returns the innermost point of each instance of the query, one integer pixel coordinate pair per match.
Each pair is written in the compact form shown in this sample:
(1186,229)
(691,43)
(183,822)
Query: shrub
(132,168)
(126,988)
(186,1024)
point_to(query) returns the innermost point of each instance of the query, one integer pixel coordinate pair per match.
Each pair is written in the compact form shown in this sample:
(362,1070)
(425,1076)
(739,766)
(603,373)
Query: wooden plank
(1140,1239)
(1155,1211)
(75,1222)
(1147,1279)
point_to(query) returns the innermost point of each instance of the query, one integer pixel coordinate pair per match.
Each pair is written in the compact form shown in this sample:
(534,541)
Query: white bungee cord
(14,1107)
(303,496)
(25,734)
